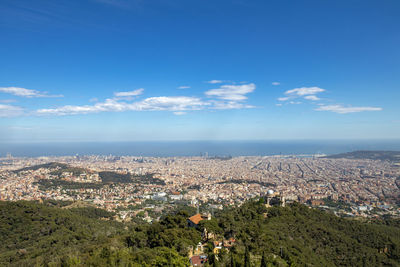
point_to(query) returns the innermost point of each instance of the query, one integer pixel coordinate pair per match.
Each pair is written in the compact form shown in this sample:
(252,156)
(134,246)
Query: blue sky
(119,70)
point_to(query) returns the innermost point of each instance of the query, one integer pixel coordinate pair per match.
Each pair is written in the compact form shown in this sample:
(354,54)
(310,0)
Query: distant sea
(194,148)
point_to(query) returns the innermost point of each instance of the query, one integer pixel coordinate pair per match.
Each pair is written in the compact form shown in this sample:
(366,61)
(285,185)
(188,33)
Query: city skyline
(120,70)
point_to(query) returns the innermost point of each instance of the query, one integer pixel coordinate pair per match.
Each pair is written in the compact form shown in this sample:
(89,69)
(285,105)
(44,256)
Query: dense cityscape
(147,186)
(199,133)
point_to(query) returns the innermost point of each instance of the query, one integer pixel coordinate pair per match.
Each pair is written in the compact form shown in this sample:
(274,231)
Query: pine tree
(246,257)
(263,260)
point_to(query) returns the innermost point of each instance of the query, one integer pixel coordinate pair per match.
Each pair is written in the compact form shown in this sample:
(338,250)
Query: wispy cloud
(303,91)
(229,105)
(312,97)
(179,113)
(10,111)
(173,103)
(229,97)
(215,81)
(224,97)
(23,92)
(308,93)
(184,87)
(343,110)
(232,92)
(178,103)
(129,93)
(276,83)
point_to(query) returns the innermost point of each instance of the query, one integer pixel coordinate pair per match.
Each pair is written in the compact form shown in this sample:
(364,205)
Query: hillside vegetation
(36,234)
(107,177)
(50,165)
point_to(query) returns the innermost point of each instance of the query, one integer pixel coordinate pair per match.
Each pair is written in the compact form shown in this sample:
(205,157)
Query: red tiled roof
(196,218)
(198,260)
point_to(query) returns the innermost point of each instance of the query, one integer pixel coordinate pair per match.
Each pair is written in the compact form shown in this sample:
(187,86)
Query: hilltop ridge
(393,156)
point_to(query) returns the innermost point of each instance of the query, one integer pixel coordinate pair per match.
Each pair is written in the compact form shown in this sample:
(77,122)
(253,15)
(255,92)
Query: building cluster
(197,255)
(362,187)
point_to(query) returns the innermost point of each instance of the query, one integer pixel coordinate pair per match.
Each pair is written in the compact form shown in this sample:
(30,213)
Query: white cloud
(226,97)
(312,97)
(178,104)
(179,113)
(215,81)
(172,103)
(278,105)
(68,110)
(303,91)
(343,110)
(129,93)
(276,83)
(229,105)
(232,92)
(23,92)
(308,93)
(10,111)
(184,87)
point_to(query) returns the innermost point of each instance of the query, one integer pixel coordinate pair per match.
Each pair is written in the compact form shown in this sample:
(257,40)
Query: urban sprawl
(144,187)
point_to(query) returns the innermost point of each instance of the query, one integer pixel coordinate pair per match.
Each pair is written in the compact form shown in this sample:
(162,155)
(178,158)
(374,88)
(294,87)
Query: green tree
(263,261)
(232,261)
(247,257)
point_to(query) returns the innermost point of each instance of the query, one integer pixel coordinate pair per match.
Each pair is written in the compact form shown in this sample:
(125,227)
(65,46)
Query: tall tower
(270,195)
(282,200)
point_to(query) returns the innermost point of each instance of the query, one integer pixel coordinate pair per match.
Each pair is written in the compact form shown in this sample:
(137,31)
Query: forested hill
(393,156)
(56,167)
(35,234)
(50,165)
